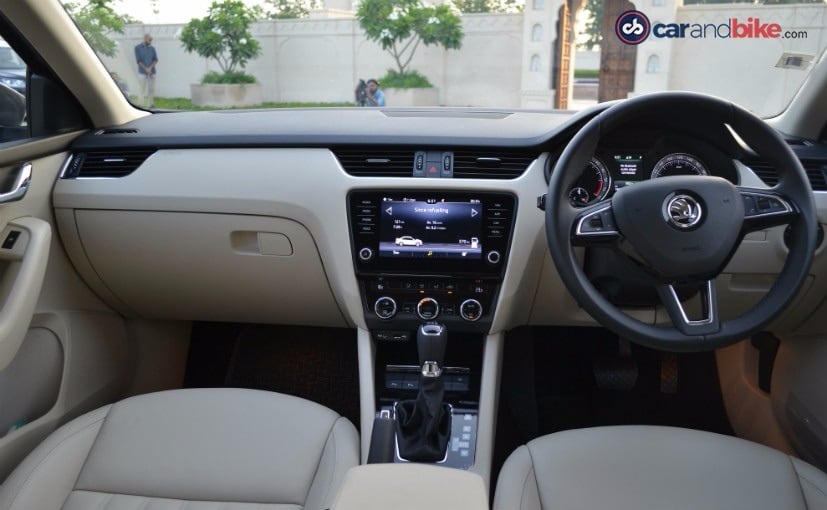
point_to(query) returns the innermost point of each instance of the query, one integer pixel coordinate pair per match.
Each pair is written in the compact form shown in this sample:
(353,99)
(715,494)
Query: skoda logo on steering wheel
(632,27)
(683,212)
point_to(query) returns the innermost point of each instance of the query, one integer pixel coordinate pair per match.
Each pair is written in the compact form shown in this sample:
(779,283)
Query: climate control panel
(412,300)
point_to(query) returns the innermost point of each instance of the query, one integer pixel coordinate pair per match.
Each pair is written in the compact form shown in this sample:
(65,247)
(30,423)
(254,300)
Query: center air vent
(767,172)
(468,163)
(98,163)
(492,164)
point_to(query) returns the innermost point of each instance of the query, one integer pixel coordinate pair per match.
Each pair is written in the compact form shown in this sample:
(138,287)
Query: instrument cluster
(619,163)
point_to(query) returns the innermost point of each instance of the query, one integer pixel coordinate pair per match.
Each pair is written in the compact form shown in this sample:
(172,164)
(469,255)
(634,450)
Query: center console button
(493,257)
(385,308)
(427,309)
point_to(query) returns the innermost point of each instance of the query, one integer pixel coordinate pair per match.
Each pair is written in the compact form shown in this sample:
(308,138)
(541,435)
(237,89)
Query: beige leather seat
(228,449)
(648,468)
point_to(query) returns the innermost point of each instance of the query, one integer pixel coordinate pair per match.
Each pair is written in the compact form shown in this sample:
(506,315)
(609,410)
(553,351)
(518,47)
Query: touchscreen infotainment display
(431,228)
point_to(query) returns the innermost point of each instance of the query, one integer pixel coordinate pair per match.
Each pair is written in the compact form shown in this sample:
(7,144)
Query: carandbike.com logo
(633,27)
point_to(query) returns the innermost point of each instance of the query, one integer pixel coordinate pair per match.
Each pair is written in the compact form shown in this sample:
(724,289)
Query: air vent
(117,131)
(376,161)
(114,163)
(492,164)
(767,173)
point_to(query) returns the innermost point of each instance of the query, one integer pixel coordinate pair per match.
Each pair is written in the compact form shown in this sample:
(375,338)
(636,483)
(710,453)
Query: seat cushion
(198,448)
(641,467)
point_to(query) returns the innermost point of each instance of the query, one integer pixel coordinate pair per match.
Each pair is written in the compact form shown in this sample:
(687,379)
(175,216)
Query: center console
(430,257)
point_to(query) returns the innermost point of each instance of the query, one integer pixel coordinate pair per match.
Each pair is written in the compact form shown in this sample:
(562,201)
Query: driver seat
(194,449)
(645,467)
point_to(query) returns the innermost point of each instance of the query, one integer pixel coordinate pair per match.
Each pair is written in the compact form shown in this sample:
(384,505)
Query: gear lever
(423,426)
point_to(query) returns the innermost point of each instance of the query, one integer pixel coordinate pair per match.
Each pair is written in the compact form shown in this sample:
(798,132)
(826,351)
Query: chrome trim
(578,231)
(709,303)
(65,166)
(787,207)
(375,303)
(461,314)
(683,211)
(20,186)
(436,312)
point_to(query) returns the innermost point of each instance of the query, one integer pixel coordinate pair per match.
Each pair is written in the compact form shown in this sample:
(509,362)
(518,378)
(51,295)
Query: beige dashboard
(261,235)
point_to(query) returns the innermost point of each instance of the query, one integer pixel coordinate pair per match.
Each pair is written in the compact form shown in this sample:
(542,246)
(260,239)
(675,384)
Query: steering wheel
(681,229)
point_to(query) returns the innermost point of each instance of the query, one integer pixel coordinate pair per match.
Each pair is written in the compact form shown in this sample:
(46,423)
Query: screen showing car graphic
(430,229)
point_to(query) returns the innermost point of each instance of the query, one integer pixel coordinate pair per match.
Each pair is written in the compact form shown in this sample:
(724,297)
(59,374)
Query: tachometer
(592,185)
(679,163)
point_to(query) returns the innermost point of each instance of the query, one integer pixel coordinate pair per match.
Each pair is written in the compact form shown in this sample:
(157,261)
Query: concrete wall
(742,70)
(322,59)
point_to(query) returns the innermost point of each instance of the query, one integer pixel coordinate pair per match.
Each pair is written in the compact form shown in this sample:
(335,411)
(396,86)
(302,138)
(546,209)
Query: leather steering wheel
(682,229)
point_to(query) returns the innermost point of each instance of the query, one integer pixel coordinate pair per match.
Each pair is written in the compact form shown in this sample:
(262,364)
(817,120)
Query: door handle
(20,186)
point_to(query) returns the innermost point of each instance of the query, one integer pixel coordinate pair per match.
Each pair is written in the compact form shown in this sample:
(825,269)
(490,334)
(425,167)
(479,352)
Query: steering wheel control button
(757,204)
(683,212)
(470,310)
(493,257)
(385,308)
(600,222)
(427,309)
(365,254)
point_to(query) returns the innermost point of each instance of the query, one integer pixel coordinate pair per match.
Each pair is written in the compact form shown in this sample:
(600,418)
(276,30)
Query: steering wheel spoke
(708,323)
(764,209)
(595,225)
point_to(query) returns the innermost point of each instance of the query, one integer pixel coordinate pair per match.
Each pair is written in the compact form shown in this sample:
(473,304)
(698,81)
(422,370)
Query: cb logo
(632,27)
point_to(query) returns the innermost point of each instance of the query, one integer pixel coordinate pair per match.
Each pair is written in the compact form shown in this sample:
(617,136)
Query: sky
(168,11)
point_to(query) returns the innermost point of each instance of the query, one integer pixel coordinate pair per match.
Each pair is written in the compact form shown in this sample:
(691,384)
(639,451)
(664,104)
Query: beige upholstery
(654,468)
(196,449)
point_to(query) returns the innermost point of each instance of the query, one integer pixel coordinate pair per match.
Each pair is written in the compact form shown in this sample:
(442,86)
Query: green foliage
(409,80)
(587,73)
(230,77)
(400,26)
(96,19)
(224,35)
(184,103)
(507,6)
(290,9)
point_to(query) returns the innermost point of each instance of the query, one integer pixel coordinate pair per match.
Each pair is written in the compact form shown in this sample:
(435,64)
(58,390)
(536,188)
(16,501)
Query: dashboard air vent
(99,163)
(492,163)
(767,173)
(376,161)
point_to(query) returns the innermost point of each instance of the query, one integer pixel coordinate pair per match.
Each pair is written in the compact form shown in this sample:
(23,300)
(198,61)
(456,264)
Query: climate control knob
(385,308)
(427,309)
(470,310)
(493,257)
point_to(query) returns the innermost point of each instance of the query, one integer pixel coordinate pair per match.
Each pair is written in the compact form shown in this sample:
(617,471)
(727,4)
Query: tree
(400,26)
(471,6)
(224,36)
(290,9)
(96,19)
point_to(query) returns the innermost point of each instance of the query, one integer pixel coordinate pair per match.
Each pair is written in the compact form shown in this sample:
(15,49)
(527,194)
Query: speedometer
(679,163)
(592,185)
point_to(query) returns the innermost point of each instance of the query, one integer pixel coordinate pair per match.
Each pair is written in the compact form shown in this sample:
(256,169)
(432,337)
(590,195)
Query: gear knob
(431,339)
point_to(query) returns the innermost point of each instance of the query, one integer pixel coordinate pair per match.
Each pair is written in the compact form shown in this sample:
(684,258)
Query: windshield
(10,60)
(537,54)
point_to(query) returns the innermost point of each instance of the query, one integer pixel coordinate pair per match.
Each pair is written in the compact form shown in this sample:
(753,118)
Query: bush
(230,77)
(587,73)
(409,80)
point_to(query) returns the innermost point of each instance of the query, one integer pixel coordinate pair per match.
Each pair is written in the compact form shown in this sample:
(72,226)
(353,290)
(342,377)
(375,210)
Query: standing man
(147,58)
(375,95)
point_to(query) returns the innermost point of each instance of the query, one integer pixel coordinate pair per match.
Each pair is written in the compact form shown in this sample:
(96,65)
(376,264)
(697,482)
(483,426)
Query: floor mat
(549,384)
(319,364)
